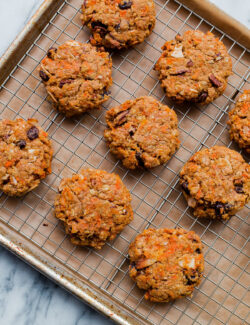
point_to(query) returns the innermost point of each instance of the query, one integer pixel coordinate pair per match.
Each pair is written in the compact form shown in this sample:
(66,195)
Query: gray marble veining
(29,298)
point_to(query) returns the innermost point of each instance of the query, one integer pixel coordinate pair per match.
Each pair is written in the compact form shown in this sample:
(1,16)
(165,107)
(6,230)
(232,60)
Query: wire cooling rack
(222,297)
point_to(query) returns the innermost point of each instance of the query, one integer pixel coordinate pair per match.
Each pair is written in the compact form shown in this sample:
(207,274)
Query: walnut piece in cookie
(143,133)
(194,67)
(216,182)
(118,24)
(94,205)
(167,263)
(77,77)
(239,121)
(26,155)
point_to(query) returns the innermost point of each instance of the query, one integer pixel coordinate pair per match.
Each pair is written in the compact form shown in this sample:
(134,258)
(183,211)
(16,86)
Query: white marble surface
(26,297)
(240,9)
(14,14)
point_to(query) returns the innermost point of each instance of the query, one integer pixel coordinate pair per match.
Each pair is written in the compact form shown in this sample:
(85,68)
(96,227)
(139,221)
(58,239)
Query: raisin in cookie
(94,206)
(216,182)
(194,67)
(118,24)
(167,263)
(142,132)
(26,155)
(239,121)
(77,77)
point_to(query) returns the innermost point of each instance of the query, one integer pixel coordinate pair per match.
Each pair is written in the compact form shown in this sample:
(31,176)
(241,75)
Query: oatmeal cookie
(194,67)
(239,121)
(216,182)
(142,132)
(26,155)
(167,263)
(77,77)
(118,24)
(94,206)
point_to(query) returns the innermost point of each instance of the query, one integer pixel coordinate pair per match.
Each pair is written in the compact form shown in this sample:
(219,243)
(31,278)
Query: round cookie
(168,263)
(118,24)
(94,206)
(142,132)
(194,67)
(26,155)
(239,121)
(77,77)
(216,182)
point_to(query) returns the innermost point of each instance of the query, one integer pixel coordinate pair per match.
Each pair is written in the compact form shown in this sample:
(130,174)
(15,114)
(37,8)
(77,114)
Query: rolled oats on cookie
(26,155)
(143,133)
(167,263)
(216,182)
(118,24)
(239,121)
(77,77)
(194,67)
(94,205)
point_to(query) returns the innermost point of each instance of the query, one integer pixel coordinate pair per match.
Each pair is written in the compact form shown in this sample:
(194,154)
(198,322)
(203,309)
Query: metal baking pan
(28,227)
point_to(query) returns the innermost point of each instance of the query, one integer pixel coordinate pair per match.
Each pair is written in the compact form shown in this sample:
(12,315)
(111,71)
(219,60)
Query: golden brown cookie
(77,77)
(239,121)
(142,132)
(118,24)
(26,155)
(216,182)
(194,67)
(94,206)
(167,263)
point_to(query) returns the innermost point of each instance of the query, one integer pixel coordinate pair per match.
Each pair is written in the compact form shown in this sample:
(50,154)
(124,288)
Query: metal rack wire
(157,200)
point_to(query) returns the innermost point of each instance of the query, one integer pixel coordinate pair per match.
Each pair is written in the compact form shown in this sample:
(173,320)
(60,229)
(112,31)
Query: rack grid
(222,297)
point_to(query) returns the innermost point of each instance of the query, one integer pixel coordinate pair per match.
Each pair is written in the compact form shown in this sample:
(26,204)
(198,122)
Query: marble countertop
(27,297)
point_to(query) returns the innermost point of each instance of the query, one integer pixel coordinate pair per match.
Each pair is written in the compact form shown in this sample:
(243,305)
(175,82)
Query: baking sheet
(28,226)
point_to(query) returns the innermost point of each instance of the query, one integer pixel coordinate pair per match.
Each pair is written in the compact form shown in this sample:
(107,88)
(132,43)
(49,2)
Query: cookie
(94,206)
(194,67)
(239,121)
(167,263)
(142,132)
(216,182)
(26,155)
(77,77)
(118,24)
